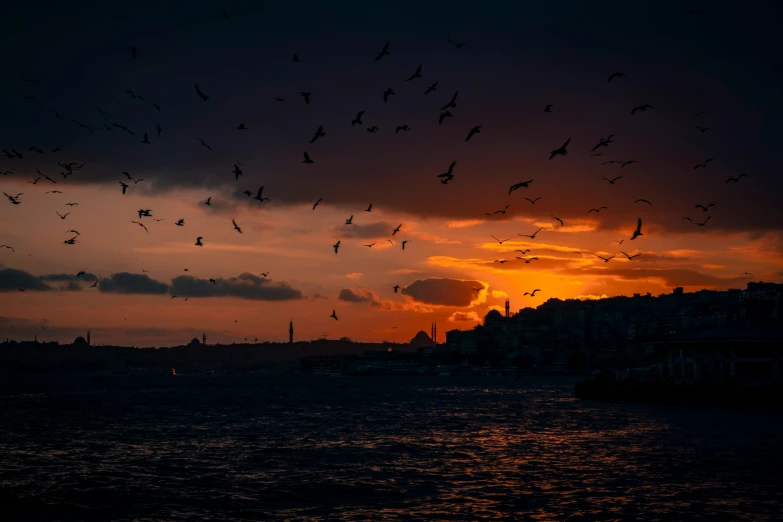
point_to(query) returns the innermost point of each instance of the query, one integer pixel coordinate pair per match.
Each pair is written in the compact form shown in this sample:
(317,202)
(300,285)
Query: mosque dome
(493,316)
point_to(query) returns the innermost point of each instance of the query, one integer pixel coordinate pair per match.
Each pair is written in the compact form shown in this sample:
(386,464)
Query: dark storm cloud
(12,280)
(398,171)
(365,231)
(447,292)
(127,283)
(244,286)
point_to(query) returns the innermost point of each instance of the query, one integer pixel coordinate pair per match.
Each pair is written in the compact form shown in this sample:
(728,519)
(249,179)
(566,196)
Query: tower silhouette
(291,332)
(88,338)
(434,333)
(204,338)
(508,309)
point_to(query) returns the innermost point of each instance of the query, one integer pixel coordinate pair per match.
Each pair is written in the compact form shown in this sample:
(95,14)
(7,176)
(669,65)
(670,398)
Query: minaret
(204,339)
(508,309)
(88,338)
(291,332)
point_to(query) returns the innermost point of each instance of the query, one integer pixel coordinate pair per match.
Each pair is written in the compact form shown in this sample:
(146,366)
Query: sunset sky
(517,60)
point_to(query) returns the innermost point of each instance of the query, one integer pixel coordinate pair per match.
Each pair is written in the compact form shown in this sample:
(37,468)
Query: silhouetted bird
(198,241)
(384,52)
(259,197)
(334,315)
(533,293)
(560,220)
(443,116)
(358,119)
(520,185)
(236,227)
(180,223)
(703,165)
(124,187)
(204,144)
(616,75)
(642,108)
(306,96)
(431,88)
(317,203)
(349,220)
(452,104)
(141,225)
(402,128)
(388,92)
(613,180)
(319,133)
(373,129)
(532,201)
(455,44)
(736,180)
(146,139)
(307,158)
(638,231)
(369,209)
(336,246)
(533,235)
(599,209)
(548,108)
(449,174)
(561,151)
(415,75)
(200,93)
(133,52)
(474,130)
(643,201)
(705,208)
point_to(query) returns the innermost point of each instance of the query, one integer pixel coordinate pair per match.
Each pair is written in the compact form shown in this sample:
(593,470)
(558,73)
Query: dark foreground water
(255,447)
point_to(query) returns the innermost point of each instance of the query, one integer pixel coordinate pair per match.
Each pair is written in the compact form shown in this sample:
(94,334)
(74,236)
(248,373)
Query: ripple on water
(281,448)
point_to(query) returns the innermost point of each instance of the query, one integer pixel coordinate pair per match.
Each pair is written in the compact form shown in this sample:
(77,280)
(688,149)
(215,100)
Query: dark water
(256,447)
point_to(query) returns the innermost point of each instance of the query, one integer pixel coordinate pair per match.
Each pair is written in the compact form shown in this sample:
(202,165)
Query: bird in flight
(642,108)
(204,144)
(319,133)
(629,162)
(62,216)
(558,219)
(208,202)
(415,75)
(384,52)
(388,92)
(349,220)
(141,225)
(501,261)
(599,209)
(519,185)
(527,261)
(452,104)
(533,201)
(358,119)
(13,199)
(336,246)
(736,180)
(73,232)
(638,231)
(523,252)
(404,243)
(533,235)
(396,287)
(237,172)
(146,139)
(613,180)
(560,151)
(200,92)
(236,227)
(198,241)
(334,315)
(704,129)
(502,211)
(307,158)
(643,201)
(703,165)
(124,187)
(431,88)
(449,174)
(158,128)
(705,208)
(474,130)
(533,293)
(397,229)
(548,108)
(264,274)
(402,128)
(630,258)
(373,129)
(241,126)
(317,203)
(455,44)
(180,223)
(443,116)
(501,241)
(615,75)
(370,245)
(369,209)
(606,259)
(259,197)
(603,142)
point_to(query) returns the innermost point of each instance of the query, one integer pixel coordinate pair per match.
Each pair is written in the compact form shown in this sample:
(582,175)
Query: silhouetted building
(291,332)
(204,339)
(80,341)
(88,338)
(508,308)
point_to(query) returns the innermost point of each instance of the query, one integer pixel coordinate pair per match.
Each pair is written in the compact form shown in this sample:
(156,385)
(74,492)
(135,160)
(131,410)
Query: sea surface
(298,447)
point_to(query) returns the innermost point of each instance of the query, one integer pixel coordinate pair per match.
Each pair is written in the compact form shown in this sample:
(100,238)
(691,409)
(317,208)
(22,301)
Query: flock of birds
(68,169)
